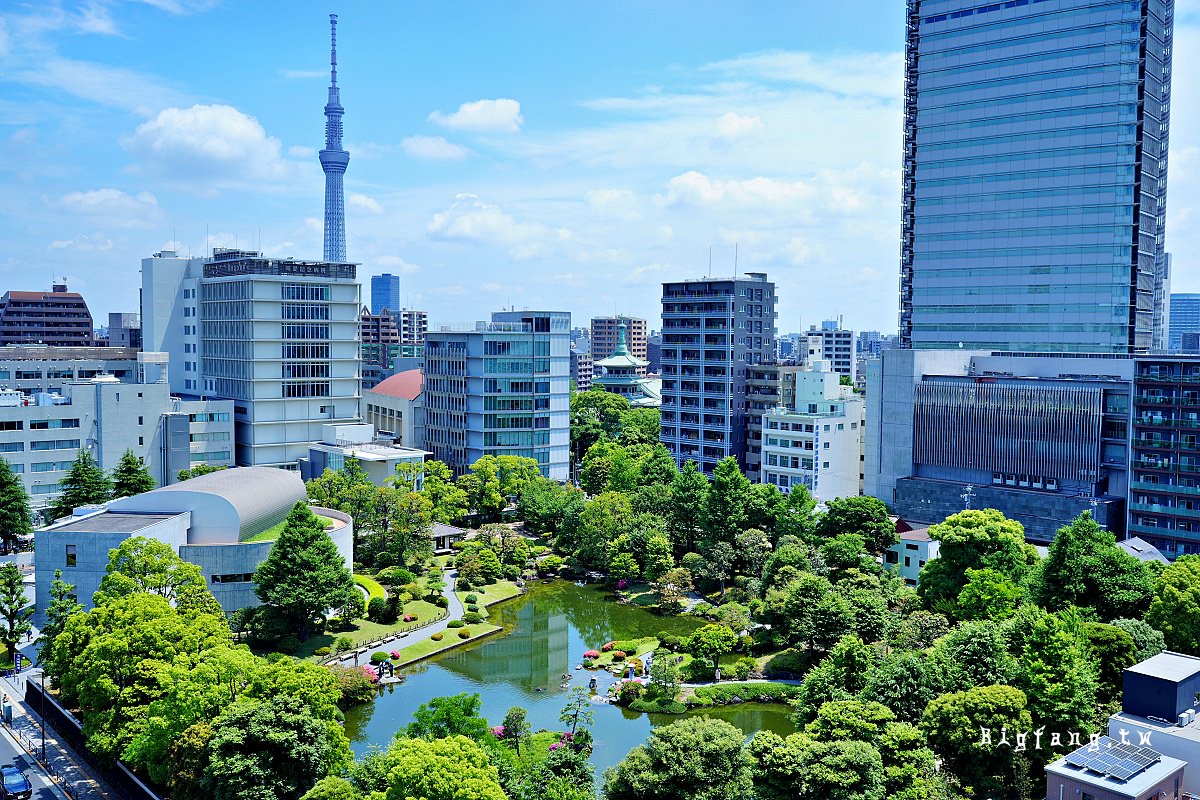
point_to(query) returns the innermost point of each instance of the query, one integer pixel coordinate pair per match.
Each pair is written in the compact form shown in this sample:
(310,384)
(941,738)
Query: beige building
(395,407)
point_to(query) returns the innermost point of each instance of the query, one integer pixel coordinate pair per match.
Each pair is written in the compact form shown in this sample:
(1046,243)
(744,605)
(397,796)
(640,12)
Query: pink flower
(591,654)
(556,745)
(396,654)
(370,672)
(498,731)
(621,584)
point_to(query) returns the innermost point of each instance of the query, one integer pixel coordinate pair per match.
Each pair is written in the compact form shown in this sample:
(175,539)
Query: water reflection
(533,655)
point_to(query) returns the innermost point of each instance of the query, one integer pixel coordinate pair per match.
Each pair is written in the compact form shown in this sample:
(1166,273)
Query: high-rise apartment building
(582,370)
(385,293)
(500,388)
(279,337)
(714,330)
(57,318)
(835,345)
(413,327)
(1185,318)
(1034,182)
(604,337)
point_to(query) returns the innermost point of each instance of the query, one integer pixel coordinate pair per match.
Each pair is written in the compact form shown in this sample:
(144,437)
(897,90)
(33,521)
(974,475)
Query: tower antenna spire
(334,160)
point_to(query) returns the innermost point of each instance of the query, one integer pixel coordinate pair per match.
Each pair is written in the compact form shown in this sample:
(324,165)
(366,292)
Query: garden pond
(545,633)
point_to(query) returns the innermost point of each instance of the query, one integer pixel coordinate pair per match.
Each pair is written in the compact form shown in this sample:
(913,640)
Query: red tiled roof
(405,384)
(18,295)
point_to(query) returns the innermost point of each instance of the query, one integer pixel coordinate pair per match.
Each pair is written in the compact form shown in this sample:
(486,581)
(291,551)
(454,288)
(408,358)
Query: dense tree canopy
(698,758)
(16,521)
(1175,609)
(1086,569)
(972,540)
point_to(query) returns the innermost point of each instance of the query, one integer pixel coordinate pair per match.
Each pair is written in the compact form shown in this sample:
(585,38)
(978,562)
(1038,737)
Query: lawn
(491,594)
(644,646)
(373,587)
(427,647)
(272,533)
(366,631)
(639,594)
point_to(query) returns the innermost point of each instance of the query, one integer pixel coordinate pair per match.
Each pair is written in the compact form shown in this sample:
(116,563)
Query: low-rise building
(910,554)
(1115,770)
(225,522)
(395,408)
(377,456)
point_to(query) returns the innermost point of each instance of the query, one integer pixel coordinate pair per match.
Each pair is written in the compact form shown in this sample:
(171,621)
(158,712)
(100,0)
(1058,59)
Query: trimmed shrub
(395,576)
(342,644)
(670,641)
(588,663)
(472,618)
(473,607)
(288,645)
(396,655)
(628,691)
(472,598)
(377,609)
(410,617)
(455,623)
(591,654)
(618,655)
(441,601)
(378,657)
(658,705)
(629,645)
(607,647)
(465,633)
(437,637)
(719,695)
(322,651)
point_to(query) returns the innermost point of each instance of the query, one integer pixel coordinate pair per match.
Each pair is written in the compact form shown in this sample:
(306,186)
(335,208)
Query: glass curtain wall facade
(1035,162)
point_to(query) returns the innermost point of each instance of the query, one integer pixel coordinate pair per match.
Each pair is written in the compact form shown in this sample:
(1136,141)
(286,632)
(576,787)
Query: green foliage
(578,709)
(664,676)
(904,683)
(640,426)
(516,728)
(130,476)
(987,595)
(453,768)
(457,715)
(1175,609)
(396,530)
(1057,672)
(1113,650)
(863,516)
(686,507)
(671,587)
(63,606)
(1147,641)
(725,503)
(1086,569)
(331,788)
(143,565)
(543,504)
(973,654)
(15,516)
(275,748)
(85,483)
(711,642)
(698,758)
(953,725)
(15,611)
(971,540)
(758,692)
(304,574)
(449,503)
(197,471)
(595,416)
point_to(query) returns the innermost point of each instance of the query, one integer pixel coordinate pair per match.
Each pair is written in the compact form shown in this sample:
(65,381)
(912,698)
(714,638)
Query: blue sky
(540,154)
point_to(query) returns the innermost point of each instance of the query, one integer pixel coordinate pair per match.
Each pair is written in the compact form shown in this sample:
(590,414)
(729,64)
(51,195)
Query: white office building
(818,443)
(279,337)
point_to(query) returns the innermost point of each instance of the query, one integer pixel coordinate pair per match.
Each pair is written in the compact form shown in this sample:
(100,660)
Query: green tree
(482,487)
(349,490)
(187,760)
(725,503)
(864,516)
(640,426)
(657,468)
(688,499)
(671,587)
(276,748)
(903,682)
(718,566)
(1113,650)
(449,503)
(699,758)
(971,540)
(304,575)
(453,768)
(711,642)
(542,504)
(1175,609)
(850,720)
(516,727)
(1057,672)
(130,476)
(595,416)
(15,610)
(63,606)
(753,547)
(331,788)
(658,557)
(765,504)
(1086,569)
(197,471)
(604,519)
(455,715)
(84,484)
(973,654)
(1147,641)
(987,595)
(143,565)
(399,528)
(15,517)
(578,709)
(664,675)
(623,567)
(963,728)
(797,518)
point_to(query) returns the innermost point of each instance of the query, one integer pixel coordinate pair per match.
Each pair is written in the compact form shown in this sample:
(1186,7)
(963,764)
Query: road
(11,753)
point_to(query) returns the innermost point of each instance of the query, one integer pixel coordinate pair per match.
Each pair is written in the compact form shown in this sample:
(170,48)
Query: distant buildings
(1034,178)
(836,345)
(624,374)
(604,333)
(57,318)
(817,441)
(713,331)
(385,293)
(125,330)
(376,454)
(1184,320)
(396,406)
(279,337)
(500,387)
(582,370)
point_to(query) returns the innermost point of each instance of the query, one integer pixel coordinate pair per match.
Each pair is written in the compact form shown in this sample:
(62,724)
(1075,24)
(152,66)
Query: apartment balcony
(1151,508)
(1165,488)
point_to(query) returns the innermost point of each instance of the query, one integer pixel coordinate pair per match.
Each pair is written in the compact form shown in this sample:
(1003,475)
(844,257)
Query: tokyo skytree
(333,161)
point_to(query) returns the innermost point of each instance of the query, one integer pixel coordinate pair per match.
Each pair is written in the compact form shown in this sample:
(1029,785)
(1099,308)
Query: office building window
(72,557)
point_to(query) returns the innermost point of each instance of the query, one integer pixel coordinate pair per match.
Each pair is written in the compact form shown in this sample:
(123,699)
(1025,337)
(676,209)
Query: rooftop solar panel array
(1113,759)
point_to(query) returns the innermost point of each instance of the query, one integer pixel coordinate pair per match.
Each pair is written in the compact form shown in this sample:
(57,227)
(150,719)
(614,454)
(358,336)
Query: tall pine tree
(130,476)
(304,576)
(85,483)
(14,508)
(15,610)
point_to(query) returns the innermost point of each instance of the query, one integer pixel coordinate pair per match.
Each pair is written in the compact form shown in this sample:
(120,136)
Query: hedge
(724,694)
(374,589)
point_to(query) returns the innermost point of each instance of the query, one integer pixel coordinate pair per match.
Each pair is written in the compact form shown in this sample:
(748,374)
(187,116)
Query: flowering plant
(608,646)
(370,673)
(498,731)
(591,654)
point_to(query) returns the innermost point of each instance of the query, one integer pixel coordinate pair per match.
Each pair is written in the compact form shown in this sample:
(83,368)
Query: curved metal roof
(261,496)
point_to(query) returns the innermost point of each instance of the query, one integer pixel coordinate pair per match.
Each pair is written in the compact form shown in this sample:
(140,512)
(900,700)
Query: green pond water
(545,633)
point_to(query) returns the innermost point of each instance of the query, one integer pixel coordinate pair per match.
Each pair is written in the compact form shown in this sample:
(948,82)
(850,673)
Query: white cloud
(878,75)
(696,188)
(472,220)
(732,125)
(394,263)
(214,142)
(83,244)
(364,202)
(99,83)
(433,148)
(502,115)
(109,202)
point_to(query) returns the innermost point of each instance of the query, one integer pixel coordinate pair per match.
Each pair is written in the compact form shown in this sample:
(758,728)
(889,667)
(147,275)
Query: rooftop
(1168,666)
(1127,769)
(1143,550)
(112,522)
(916,535)
(405,385)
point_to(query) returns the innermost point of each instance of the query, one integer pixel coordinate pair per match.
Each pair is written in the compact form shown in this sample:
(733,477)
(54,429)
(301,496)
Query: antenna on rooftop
(735,259)
(710,261)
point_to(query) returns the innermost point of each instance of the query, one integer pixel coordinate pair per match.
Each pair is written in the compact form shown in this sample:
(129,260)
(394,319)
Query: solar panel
(1114,759)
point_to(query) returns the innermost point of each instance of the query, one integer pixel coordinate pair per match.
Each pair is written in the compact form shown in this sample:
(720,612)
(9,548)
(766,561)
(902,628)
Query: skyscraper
(1185,318)
(334,160)
(1035,167)
(385,293)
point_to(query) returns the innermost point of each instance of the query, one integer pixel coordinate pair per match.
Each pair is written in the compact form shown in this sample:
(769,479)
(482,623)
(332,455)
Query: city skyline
(599,165)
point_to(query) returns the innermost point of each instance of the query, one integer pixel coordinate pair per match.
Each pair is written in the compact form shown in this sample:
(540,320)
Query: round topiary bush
(618,655)
(378,657)
(472,618)
(441,601)
(322,651)
(472,598)
(437,637)
(465,633)
(288,645)
(473,607)
(455,623)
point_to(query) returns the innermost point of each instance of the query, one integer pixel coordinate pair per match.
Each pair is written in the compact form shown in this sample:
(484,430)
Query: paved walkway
(61,762)
(454,610)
